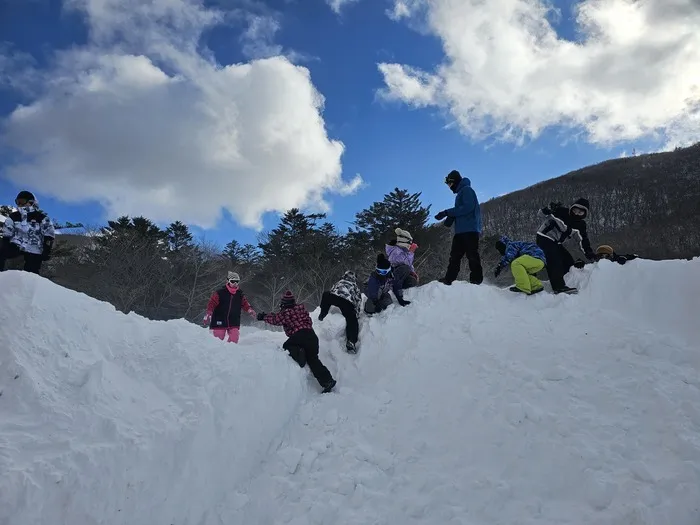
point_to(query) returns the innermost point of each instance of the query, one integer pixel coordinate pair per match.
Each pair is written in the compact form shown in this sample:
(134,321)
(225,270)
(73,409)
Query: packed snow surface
(471,406)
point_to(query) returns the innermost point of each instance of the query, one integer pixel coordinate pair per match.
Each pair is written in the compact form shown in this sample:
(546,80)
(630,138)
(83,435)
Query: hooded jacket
(515,249)
(29,228)
(466,213)
(347,289)
(560,224)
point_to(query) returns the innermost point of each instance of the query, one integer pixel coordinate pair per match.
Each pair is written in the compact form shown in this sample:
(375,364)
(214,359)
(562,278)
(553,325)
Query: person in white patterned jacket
(27,232)
(345,294)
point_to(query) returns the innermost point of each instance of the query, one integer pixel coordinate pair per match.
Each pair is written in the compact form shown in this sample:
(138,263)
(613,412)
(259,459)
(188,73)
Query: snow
(473,405)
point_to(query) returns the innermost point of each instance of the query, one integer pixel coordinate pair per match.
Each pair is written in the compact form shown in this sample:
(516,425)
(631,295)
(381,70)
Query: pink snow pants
(233,333)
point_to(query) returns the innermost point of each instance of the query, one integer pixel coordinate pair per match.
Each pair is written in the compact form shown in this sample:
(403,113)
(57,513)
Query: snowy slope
(471,406)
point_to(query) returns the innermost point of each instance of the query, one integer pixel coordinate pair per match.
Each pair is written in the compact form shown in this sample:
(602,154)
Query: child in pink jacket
(224,310)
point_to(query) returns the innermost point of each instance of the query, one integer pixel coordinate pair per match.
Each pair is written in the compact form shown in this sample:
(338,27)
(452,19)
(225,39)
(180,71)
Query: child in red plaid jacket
(302,342)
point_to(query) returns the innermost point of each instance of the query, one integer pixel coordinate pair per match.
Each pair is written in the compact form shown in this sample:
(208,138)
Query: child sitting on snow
(401,252)
(378,286)
(224,309)
(345,294)
(302,342)
(525,260)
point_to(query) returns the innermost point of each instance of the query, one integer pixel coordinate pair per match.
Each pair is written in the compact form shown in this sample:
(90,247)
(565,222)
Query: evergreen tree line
(164,273)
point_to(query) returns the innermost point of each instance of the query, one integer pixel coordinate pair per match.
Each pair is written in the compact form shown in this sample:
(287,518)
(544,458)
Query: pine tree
(179,237)
(398,209)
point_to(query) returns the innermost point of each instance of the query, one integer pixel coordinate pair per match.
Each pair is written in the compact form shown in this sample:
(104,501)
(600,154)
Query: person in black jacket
(559,225)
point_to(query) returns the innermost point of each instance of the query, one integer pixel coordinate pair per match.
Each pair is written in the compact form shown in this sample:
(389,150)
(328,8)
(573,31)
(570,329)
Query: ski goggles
(383,271)
(21,202)
(233,281)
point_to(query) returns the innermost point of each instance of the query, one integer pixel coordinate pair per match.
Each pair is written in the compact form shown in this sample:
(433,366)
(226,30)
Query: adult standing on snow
(302,344)
(400,252)
(27,232)
(224,309)
(560,223)
(466,217)
(345,294)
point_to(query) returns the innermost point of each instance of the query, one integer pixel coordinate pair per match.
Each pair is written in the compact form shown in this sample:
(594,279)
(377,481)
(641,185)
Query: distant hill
(648,204)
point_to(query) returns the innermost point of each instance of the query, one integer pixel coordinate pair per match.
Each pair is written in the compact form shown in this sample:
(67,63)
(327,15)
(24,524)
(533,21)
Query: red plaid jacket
(291,319)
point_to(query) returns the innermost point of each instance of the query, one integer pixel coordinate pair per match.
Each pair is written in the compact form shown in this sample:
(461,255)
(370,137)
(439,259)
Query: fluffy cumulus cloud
(632,72)
(144,121)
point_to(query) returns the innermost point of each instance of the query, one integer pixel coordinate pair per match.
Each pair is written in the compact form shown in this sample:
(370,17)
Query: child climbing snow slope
(345,294)
(525,260)
(224,309)
(302,342)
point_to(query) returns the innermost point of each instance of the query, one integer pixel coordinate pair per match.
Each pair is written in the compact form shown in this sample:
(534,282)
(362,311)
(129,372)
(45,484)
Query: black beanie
(453,176)
(26,195)
(382,262)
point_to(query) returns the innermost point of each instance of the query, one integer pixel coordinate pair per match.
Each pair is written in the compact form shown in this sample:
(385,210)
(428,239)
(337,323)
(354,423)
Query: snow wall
(115,419)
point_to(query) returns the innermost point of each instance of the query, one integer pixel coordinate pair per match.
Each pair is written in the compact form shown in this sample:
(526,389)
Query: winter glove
(441,215)
(621,259)
(206,320)
(261,316)
(402,301)
(498,271)
(392,242)
(448,222)
(546,211)
(579,264)
(48,246)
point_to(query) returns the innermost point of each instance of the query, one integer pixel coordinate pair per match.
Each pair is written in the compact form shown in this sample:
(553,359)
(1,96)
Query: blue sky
(388,140)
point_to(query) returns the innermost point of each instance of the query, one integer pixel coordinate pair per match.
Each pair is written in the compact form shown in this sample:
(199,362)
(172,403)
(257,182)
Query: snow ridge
(473,405)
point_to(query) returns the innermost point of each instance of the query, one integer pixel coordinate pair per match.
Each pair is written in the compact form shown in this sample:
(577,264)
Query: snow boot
(516,289)
(351,347)
(298,354)
(328,386)
(566,290)
(444,281)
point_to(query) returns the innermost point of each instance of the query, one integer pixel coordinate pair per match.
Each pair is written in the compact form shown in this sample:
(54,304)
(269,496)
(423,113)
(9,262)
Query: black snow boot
(328,386)
(351,347)
(566,289)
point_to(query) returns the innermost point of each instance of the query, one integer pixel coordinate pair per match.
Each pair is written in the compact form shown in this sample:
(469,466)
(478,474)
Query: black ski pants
(8,250)
(465,244)
(305,343)
(559,261)
(352,327)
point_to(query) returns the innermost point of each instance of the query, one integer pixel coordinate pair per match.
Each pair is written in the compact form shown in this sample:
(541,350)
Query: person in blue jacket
(525,260)
(466,218)
(378,286)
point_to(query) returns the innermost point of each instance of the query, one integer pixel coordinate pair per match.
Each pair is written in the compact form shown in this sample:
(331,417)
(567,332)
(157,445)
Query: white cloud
(143,123)
(338,5)
(634,71)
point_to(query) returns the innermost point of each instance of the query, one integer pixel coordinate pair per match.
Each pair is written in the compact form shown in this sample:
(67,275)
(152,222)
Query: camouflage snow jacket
(28,227)
(347,289)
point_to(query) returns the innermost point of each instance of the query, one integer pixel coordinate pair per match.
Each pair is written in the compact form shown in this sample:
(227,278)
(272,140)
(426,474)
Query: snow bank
(472,405)
(111,418)
(476,405)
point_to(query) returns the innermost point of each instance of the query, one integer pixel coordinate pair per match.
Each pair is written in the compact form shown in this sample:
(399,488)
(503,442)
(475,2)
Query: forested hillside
(649,205)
